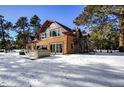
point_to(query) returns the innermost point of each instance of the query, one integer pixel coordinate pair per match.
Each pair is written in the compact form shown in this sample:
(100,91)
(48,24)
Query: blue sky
(63,14)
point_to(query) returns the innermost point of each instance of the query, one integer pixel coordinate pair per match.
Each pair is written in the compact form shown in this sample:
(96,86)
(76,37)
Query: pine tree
(5,26)
(23,29)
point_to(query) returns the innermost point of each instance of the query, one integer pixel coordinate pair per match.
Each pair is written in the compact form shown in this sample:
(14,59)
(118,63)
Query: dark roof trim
(47,23)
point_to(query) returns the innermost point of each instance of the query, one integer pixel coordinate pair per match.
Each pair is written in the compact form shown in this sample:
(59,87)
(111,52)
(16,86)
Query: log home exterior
(55,37)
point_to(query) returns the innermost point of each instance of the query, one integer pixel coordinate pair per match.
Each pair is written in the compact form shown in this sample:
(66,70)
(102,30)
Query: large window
(56,48)
(55,32)
(51,32)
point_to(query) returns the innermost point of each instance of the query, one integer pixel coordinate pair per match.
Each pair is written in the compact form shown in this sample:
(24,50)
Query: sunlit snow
(71,70)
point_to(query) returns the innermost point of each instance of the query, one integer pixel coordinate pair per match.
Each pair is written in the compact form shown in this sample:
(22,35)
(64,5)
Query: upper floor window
(58,33)
(43,35)
(54,33)
(51,32)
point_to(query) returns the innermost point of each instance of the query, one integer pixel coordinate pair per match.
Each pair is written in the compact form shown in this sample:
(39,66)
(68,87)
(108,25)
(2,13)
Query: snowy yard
(62,70)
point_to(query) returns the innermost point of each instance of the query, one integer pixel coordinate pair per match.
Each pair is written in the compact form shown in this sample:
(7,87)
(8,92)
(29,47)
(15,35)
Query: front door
(56,48)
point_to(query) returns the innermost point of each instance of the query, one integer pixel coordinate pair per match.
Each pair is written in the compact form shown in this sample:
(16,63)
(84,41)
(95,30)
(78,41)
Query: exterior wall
(59,39)
(70,46)
(65,39)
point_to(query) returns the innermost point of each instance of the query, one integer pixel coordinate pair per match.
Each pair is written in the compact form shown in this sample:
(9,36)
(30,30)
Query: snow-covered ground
(62,70)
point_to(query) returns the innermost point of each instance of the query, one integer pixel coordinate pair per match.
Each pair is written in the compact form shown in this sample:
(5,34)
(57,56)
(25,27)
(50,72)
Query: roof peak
(49,22)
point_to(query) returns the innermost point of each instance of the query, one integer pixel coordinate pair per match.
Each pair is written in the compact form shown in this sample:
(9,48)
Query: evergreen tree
(22,28)
(35,23)
(5,26)
(101,20)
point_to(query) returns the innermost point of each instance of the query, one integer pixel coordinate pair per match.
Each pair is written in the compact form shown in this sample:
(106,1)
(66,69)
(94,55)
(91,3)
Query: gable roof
(47,23)
(65,27)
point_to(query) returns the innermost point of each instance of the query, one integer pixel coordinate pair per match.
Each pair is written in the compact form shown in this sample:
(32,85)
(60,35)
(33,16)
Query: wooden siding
(70,40)
(59,39)
(66,39)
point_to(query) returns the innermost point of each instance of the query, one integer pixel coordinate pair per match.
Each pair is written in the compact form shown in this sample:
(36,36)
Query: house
(58,38)
(55,37)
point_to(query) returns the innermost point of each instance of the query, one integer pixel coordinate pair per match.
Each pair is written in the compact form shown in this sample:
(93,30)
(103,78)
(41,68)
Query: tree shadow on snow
(60,74)
(89,75)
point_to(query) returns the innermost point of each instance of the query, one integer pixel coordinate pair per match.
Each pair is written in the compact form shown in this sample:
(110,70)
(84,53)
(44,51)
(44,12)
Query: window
(54,33)
(50,34)
(42,47)
(58,33)
(39,47)
(43,35)
(56,48)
